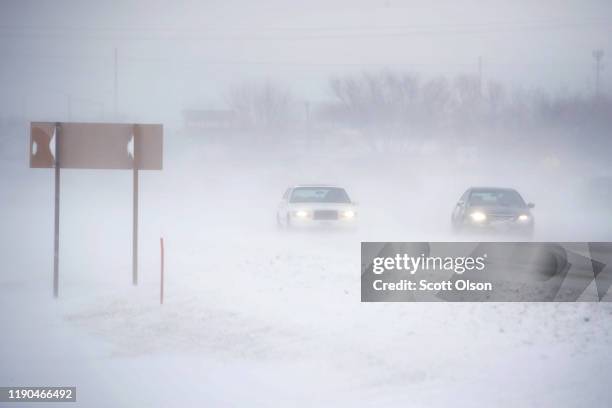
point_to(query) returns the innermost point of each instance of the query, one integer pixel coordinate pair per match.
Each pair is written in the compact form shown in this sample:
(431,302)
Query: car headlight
(478,216)
(347,214)
(301,214)
(523,218)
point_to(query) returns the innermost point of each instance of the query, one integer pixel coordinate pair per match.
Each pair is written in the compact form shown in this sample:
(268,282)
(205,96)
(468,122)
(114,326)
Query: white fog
(405,104)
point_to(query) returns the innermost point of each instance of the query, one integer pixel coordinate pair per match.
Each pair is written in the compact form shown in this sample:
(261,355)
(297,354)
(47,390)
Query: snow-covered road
(260,317)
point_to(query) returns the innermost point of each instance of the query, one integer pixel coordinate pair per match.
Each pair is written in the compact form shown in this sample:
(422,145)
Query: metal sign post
(135,163)
(56,210)
(135,226)
(95,146)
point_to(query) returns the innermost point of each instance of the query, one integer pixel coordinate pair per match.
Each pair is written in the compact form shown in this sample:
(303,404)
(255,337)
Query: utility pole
(598,56)
(116,83)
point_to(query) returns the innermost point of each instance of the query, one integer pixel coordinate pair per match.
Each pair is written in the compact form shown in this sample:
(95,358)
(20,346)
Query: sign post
(95,146)
(136,139)
(56,209)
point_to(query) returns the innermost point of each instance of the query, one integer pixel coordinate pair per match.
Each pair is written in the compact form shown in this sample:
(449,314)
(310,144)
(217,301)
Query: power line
(272,34)
(198,61)
(491,24)
(205,61)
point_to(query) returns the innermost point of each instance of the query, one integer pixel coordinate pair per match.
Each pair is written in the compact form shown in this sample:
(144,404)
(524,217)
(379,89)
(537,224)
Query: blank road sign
(41,138)
(96,145)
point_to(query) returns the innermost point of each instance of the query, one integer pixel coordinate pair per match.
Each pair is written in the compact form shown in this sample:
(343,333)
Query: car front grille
(502,217)
(325,215)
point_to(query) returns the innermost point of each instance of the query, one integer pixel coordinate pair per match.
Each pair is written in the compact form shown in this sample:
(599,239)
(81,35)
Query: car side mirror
(530,205)
(460,203)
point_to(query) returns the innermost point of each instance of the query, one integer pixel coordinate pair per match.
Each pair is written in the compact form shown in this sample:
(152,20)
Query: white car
(316,206)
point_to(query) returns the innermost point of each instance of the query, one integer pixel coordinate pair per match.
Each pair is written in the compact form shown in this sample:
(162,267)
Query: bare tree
(435,103)
(467,100)
(381,104)
(262,105)
(376,98)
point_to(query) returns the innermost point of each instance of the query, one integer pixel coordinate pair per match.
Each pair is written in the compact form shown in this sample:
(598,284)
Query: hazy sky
(186,54)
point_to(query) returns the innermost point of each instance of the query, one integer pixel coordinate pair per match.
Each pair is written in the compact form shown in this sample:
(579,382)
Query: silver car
(316,206)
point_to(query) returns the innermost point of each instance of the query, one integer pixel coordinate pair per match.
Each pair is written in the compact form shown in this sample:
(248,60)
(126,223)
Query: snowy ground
(259,317)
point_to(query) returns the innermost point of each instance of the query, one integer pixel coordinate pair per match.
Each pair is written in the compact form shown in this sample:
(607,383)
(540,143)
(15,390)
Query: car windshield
(319,195)
(496,198)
